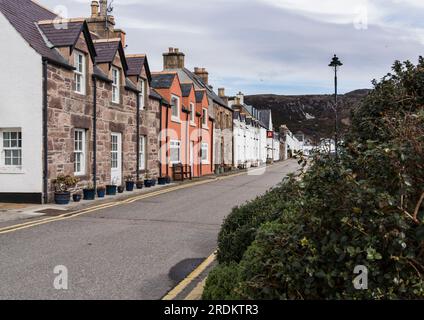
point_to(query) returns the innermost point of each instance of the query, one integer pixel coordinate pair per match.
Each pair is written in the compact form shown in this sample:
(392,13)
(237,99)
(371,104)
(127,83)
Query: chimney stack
(173,59)
(221,92)
(202,74)
(94,9)
(240,96)
(103,8)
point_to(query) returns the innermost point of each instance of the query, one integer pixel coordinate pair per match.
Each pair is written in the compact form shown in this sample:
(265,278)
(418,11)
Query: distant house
(249,134)
(81,109)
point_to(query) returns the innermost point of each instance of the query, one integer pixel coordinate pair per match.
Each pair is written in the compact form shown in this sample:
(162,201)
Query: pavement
(135,248)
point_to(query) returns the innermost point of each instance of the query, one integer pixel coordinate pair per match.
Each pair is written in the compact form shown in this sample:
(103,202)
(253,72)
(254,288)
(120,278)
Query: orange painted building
(187,129)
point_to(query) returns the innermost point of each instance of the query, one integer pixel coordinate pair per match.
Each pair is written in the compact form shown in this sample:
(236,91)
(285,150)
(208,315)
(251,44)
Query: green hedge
(303,239)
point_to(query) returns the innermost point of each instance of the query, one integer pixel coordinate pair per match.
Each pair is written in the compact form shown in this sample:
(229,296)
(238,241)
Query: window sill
(83,94)
(176,120)
(12,170)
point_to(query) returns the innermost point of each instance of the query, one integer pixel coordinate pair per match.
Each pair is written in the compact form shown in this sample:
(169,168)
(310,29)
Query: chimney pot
(202,74)
(103,8)
(94,9)
(221,92)
(174,59)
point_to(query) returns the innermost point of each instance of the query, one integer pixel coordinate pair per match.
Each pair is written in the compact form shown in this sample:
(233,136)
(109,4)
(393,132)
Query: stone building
(91,112)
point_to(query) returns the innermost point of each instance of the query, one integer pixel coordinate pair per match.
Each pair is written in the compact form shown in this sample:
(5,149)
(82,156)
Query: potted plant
(77,197)
(89,192)
(168,179)
(148,182)
(139,184)
(129,183)
(162,181)
(101,191)
(111,188)
(121,189)
(62,185)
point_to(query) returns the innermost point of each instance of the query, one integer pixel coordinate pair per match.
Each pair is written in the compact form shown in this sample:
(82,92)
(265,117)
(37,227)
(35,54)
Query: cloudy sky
(272,46)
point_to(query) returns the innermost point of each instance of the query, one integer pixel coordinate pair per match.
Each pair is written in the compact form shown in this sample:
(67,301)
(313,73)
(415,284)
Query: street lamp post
(336,63)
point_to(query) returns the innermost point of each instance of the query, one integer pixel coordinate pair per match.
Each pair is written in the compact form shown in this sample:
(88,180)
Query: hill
(311,114)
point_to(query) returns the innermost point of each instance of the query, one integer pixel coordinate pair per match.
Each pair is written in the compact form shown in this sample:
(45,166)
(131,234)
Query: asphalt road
(134,251)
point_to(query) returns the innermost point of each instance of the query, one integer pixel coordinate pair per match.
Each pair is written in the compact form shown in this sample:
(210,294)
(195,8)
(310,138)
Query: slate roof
(62,37)
(135,66)
(24,16)
(100,74)
(106,51)
(186,75)
(186,89)
(199,95)
(130,85)
(155,95)
(162,80)
(67,36)
(264,117)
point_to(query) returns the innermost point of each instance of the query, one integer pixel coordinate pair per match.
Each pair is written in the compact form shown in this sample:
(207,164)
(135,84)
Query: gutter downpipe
(94,132)
(45,132)
(166,153)
(160,138)
(212,145)
(138,122)
(200,146)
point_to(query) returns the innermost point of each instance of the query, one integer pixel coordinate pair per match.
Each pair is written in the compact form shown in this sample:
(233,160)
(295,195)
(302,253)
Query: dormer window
(79,64)
(175,108)
(115,85)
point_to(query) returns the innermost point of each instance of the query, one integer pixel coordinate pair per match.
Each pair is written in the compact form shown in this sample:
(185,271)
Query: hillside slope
(312,114)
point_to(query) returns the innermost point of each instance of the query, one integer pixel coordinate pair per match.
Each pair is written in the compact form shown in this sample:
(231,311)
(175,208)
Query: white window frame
(175,144)
(17,148)
(80,72)
(175,118)
(143,153)
(205,152)
(204,118)
(114,152)
(142,95)
(80,151)
(116,82)
(192,113)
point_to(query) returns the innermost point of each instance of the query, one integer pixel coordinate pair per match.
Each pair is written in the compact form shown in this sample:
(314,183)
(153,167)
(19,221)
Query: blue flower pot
(111,190)
(148,183)
(62,198)
(101,193)
(161,181)
(129,185)
(89,194)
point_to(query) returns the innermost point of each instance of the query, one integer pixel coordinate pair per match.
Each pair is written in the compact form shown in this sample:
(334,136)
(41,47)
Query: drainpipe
(188,140)
(166,153)
(94,133)
(138,137)
(200,146)
(212,145)
(232,133)
(45,132)
(160,140)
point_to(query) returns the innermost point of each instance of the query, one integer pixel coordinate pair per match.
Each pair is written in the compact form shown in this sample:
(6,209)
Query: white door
(116,158)
(192,157)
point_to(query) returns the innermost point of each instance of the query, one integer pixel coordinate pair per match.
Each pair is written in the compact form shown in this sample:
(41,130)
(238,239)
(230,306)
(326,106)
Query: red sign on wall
(270,134)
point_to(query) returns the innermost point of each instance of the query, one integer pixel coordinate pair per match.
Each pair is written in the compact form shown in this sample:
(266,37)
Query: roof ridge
(106,40)
(136,55)
(63,20)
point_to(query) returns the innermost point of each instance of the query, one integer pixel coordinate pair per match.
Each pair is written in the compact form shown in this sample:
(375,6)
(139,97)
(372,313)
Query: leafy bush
(363,208)
(239,228)
(221,281)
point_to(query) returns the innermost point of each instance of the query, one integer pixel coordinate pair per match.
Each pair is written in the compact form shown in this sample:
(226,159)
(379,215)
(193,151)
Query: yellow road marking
(192,276)
(78,213)
(197,292)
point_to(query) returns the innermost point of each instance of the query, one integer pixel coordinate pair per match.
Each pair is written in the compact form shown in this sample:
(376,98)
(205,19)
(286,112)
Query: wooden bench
(181,172)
